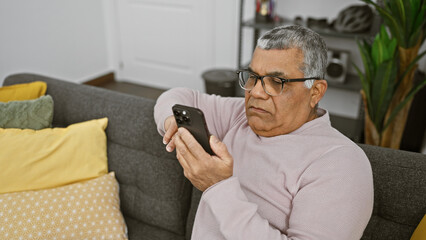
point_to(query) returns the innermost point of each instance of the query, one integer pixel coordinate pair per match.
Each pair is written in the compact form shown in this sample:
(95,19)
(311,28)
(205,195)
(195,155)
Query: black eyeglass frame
(283,80)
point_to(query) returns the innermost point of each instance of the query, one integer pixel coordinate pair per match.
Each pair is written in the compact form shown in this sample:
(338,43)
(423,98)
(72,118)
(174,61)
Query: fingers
(220,149)
(171,128)
(171,145)
(188,150)
(198,166)
(182,161)
(183,155)
(194,147)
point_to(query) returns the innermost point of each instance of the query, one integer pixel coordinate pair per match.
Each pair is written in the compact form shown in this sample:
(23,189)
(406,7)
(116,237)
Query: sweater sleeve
(335,197)
(334,201)
(224,206)
(219,111)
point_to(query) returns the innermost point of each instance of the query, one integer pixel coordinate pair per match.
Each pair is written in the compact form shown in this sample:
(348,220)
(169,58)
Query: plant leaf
(404,18)
(401,11)
(365,86)
(392,47)
(365,50)
(410,95)
(413,63)
(377,51)
(418,29)
(383,90)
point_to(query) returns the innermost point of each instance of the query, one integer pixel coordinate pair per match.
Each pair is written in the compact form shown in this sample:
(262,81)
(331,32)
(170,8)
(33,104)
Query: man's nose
(258,90)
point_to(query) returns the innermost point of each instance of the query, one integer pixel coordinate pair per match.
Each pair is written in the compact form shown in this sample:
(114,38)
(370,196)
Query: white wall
(226,33)
(63,39)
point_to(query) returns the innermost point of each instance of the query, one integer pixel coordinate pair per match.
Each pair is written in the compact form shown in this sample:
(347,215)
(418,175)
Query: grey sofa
(159,203)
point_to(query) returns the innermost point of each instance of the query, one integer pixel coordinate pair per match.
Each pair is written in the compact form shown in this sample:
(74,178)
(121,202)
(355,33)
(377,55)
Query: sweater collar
(323,118)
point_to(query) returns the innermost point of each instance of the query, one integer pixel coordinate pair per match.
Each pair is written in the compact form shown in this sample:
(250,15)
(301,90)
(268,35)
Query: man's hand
(202,169)
(171,128)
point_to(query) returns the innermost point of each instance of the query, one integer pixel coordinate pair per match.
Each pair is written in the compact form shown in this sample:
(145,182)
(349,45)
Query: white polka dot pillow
(84,210)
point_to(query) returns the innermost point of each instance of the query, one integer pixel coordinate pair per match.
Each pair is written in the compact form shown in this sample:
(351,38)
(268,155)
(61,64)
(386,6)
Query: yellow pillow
(24,91)
(420,232)
(51,157)
(85,210)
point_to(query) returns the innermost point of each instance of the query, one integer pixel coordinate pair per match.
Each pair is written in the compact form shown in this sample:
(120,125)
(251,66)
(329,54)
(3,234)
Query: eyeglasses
(272,85)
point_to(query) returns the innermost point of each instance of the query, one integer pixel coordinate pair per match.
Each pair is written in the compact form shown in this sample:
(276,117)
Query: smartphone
(193,119)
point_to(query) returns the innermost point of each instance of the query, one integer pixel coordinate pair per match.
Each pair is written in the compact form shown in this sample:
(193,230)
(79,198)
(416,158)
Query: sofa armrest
(399,192)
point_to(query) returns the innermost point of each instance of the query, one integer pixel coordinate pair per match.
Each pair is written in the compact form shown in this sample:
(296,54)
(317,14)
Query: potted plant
(389,65)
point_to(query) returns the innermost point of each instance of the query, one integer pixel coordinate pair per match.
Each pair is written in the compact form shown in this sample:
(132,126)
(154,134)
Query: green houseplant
(390,63)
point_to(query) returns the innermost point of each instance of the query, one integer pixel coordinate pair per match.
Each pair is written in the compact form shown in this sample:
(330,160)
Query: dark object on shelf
(299,21)
(318,23)
(265,10)
(221,82)
(337,65)
(354,19)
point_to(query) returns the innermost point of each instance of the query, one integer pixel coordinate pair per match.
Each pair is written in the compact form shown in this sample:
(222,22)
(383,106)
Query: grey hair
(309,42)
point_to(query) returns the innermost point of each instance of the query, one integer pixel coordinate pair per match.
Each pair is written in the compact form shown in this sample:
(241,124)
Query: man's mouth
(257,110)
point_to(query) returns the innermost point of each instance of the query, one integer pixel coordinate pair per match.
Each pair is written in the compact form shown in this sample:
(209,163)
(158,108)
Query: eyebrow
(276,73)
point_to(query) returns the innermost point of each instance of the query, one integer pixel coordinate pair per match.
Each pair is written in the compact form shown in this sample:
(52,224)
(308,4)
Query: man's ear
(317,91)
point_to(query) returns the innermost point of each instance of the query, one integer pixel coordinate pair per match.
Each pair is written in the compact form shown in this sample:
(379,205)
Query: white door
(165,43)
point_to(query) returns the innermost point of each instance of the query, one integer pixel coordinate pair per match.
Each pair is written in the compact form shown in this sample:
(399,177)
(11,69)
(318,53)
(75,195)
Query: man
(280,171)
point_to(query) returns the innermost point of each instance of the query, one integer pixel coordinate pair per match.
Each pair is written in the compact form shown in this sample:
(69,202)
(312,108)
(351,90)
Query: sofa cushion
(34,114)
(46,158)
(84,210)
(420,232)
(25,91)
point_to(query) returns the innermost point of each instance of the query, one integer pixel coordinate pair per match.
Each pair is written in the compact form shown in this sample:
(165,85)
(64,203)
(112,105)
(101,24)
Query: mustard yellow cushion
(420,232)
(85,210)
(24,91)
(52,157)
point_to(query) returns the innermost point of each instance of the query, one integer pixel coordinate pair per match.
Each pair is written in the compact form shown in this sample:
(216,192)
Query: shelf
(352,83)
(252,23)
(266,25)
(332,33)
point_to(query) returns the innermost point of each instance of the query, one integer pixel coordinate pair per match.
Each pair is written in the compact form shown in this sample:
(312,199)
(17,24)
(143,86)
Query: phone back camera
(182,116)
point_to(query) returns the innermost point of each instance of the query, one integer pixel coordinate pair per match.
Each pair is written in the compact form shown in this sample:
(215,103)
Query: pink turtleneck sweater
(313,183)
